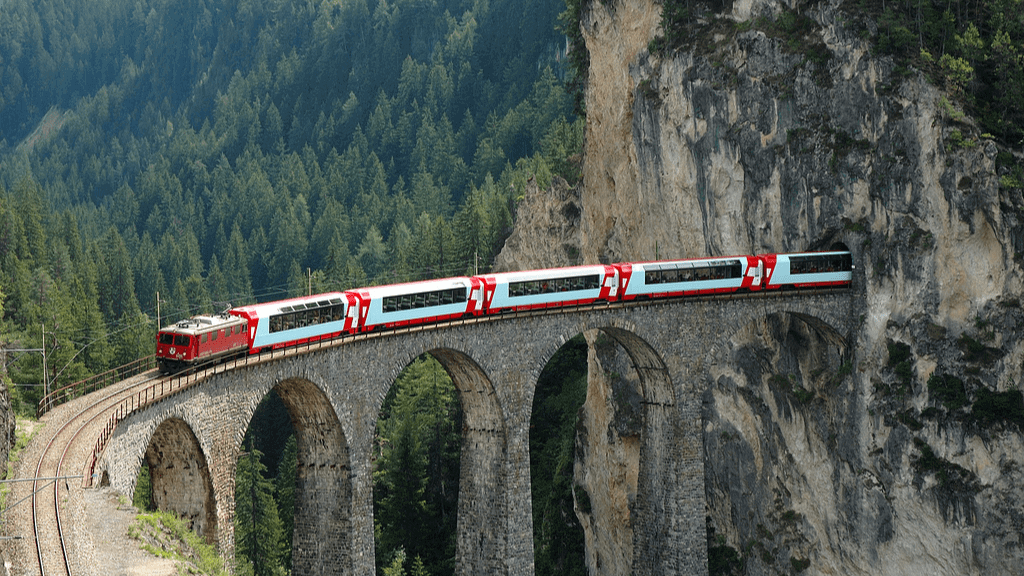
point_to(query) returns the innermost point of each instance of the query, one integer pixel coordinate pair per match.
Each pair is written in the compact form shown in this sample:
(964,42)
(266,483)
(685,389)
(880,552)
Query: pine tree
(416,482)
(286,495)
(258,532)
(403,507)
(149,278)
(373,254)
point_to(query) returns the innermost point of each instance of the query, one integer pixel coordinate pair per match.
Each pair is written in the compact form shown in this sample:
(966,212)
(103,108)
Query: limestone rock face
(546,233)
(896,449)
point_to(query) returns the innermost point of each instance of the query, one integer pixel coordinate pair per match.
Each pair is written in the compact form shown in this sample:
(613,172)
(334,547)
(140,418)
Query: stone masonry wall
(334,396)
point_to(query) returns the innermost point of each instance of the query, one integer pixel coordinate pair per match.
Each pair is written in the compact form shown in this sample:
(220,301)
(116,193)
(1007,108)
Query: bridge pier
(322,539)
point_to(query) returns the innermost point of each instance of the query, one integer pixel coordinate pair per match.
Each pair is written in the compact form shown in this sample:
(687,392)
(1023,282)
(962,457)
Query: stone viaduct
(333,395)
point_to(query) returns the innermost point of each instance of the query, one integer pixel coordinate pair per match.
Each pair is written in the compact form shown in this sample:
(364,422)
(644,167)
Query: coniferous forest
(161,159)
(178,157)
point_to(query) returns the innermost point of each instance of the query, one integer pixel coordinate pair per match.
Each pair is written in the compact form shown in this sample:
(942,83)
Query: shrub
(902,364)
(992,408)
(976,352)
(950,476)
(947,389)
(724,560)
(908,419)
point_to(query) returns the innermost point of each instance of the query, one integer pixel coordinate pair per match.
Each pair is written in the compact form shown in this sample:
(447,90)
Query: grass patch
(25,430)
(165,535)
(861,225)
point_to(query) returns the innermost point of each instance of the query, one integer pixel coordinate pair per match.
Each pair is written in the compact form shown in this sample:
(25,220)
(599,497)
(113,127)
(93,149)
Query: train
(257,328)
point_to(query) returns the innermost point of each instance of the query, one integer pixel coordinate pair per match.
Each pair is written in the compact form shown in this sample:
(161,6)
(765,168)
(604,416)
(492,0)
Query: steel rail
(56,485)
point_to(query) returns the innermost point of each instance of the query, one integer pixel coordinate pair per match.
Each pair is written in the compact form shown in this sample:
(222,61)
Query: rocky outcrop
(546,233)
(896,451)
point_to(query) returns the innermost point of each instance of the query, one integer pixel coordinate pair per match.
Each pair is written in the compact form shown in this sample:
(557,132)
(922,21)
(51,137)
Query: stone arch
(323,482)
(647,476)
(180,476)
(476,392)
(773,386)
(824,326)
(483,478)
(657,387)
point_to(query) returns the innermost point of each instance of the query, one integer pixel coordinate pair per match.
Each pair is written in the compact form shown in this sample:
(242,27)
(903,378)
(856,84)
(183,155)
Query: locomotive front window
(166,338)
(181,340)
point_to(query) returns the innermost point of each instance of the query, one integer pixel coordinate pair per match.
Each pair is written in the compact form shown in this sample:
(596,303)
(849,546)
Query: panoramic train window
(424,299)
(688,272)
(820,263)
(310,314)
(552,285)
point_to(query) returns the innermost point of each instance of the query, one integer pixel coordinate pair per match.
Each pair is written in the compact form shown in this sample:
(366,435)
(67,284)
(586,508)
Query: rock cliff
(896,451)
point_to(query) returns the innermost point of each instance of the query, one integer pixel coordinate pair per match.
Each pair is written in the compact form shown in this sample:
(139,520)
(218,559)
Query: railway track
(34,517)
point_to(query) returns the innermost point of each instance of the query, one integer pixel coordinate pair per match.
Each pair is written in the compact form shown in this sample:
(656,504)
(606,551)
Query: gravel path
(95,521)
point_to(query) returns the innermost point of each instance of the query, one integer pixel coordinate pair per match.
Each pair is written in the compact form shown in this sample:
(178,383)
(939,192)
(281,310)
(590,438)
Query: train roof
(200,324)
(416,287)
(815,253)
(548,272)
(267,308)
(689,260)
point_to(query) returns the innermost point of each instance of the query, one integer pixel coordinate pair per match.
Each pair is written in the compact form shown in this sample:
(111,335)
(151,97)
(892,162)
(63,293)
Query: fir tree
(286,495)
(258,531)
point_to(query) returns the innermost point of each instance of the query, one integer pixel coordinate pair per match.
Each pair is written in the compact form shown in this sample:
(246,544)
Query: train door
(767,265)
(625,272)
(476,296)
(352,313)
(611,282)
